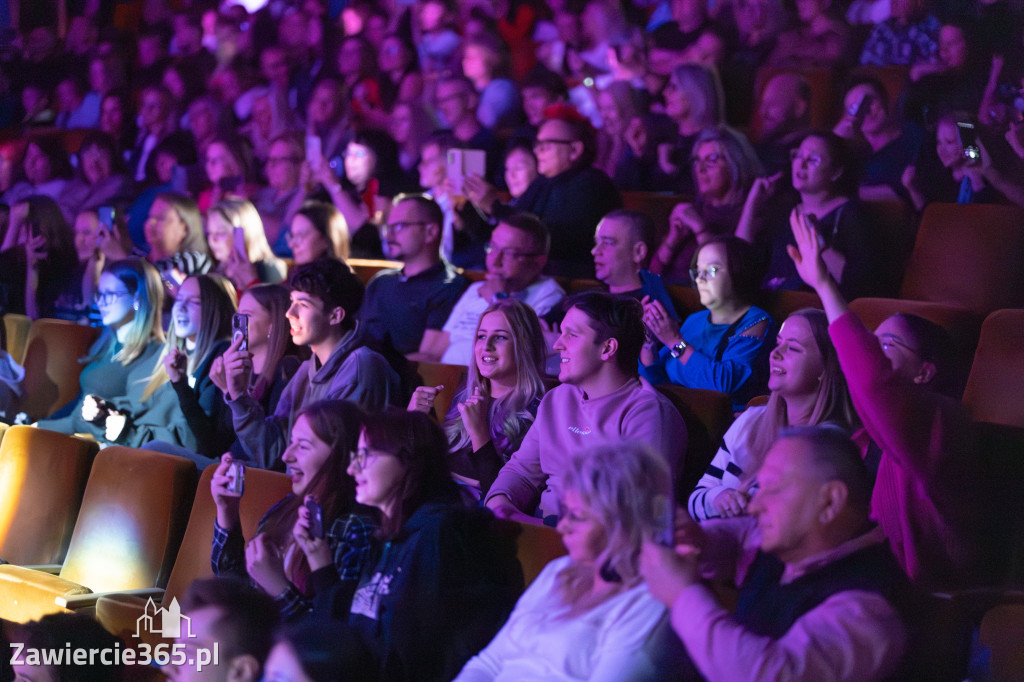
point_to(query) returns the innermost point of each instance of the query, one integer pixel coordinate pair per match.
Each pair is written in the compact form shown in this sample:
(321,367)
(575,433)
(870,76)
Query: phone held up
(240,329)
(316,518)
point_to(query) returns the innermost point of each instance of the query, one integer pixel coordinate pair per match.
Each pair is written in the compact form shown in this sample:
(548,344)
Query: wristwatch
(678,349)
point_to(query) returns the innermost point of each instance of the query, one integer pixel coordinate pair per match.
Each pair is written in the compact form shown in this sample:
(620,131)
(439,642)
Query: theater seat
(536,546)
(52,366)
(993,392)
(781,304)
(708,415)
(16,327)
(42,479)
(968,255)
(366,268)
(118,613)
(441,374)
(1002,631)
(128,530)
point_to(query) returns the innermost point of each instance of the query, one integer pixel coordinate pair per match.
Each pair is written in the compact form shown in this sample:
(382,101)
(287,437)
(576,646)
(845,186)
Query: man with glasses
(516,256)
(570,195)
(278,202)
(405,309)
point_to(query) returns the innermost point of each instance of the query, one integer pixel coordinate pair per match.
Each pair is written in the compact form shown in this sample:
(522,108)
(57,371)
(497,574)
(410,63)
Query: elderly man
(821,595)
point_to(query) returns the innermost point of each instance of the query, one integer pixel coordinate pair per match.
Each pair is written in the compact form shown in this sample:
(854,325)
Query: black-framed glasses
(708,273)
(400,226)
(108,297)
(362,457)
(507,252)
(541,145)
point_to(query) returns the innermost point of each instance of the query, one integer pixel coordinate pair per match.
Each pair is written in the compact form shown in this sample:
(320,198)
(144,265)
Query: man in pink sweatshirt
(601,398)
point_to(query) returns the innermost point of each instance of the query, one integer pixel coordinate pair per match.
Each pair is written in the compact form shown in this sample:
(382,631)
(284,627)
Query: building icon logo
(170,620)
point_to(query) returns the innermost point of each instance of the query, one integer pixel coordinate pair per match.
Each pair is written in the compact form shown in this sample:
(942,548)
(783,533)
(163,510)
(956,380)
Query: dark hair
(836,457)
(45,214)
(327,651)
(246,619)
(843,159)
(78,631)
(742,263)
(241,151)
(102,141)
(878,90)
(334,283)
(387,170)
(543,78)
(53,149)
(330,223)
(532,226)
(935,345)
(421,446)
(614,317)
(641,229)
(428,205)
(580,129)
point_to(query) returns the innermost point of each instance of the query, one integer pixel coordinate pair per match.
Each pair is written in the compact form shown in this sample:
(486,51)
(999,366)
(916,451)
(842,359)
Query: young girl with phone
(323,436)
(129,298)
(589,615)
(238,243)
(179,393)
(440,579)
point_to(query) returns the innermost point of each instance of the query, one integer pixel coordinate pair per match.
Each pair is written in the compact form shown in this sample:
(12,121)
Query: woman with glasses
(129,298)
(588,615)
(723,347)
(806,387)
(440,579)
(724,166)
(322,437)
(490,415)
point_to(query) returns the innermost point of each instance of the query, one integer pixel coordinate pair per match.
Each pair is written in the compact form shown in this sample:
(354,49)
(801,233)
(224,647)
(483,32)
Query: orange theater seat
(708,415)
(441,374)
(128,530)
(993,392)
(52,366)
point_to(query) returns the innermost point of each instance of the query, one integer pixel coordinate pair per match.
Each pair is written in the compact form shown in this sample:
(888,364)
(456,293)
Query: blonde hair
(241,213)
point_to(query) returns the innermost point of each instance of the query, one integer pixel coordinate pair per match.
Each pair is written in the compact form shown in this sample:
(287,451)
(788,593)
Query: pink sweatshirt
(567,422)
(927,476)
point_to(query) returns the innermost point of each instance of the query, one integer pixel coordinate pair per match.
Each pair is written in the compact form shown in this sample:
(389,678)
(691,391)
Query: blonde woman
(238,243)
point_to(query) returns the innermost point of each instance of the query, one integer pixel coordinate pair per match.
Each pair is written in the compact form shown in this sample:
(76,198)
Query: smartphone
(236,478)
(463,162)
(969,141)
(240,249)
(240,328)
(106,215)
(665,513)
(316,518)
(314,151)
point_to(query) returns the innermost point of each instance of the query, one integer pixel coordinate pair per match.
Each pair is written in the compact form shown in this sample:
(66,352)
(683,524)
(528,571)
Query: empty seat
(119,612)
(52,366)
(993,392)
(968,255)
(42,479)
(129,526)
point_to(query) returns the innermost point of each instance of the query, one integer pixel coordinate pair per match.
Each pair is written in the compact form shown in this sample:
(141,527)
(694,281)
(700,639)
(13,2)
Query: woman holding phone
(588,615)
(238,243)
(322,437)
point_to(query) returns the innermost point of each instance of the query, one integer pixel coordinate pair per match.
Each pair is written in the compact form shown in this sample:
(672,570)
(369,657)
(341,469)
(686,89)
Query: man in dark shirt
(406,308)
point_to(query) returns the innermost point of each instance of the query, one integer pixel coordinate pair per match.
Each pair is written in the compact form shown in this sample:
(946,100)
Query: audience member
(613,497)
(239,245)
(280,200)
(600,398)
(821,596)
(785,113)
(156,121)
(405,309)
(806,388)
(486,62)
(100,181)
(928,477)
(725,346)
(227,163)
(908,37)
(445,580)
(70,632)
(46,170)
(325,301)
(818,39)
(516,256)
(318,230)
(623,244)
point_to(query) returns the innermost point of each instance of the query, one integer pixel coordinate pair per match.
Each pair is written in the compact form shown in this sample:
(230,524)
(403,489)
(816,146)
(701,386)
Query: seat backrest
(262,490)
(968,255)
(131,521)
(656,205)
(997,374)
(892,229)
(42,479)
(783,303)
(1002,631)
(686,299)
(366,268)
(52,366)
(708,415)
(536,546)
(441,374)
(17,326)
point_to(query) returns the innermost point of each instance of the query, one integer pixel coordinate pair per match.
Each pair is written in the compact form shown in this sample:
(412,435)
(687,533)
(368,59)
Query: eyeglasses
(541,145)
(709,160)
(505,252)
(108,297)
(707,274)
(397,228)
(362,457)
(812,160)
(888,341)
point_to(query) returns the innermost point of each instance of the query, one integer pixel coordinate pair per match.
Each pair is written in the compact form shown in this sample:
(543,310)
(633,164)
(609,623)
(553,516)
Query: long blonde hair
(510,411)
(832,402)
(241,213)
(218,302)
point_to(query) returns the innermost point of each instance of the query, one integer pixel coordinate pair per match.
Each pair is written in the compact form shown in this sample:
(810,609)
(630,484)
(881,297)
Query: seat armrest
(52,569)
(75,602)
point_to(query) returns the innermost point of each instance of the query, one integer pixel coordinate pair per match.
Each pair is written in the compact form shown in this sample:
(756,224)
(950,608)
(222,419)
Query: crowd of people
(194,178)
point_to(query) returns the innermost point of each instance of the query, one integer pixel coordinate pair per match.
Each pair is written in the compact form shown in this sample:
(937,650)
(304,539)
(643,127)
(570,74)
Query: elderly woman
(588,615)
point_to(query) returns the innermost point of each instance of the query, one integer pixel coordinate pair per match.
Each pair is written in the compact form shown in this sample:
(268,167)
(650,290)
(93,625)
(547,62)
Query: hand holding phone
(236,478)
(316,518)
(240,330)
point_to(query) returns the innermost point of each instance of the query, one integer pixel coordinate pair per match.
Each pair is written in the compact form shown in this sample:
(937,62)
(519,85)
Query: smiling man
(600,399)
(325,300)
